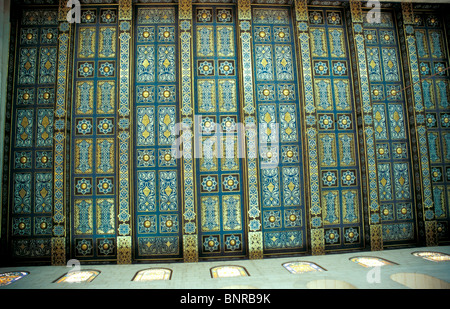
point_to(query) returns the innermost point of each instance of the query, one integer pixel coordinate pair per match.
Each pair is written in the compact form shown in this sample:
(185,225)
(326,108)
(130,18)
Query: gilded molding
(355,8)
(376,237)
(317,241)
(407,11)
(58,251)
(315,214)
(190,230)
(63,10)
(431,233)
(244,10)
(59,147)
(125,9)
(185,9)
(421,131)
(369,133)
(255,245)
(124,244)
(255,236)
(301,10)
(124,217)
(190,248)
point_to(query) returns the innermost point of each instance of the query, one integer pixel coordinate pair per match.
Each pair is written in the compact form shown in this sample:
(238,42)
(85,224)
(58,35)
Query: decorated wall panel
(280,138)
(157,221)
(31,176)
(390,119)
(338,153)
(220,197)
(346,112)
(94,130)
(157,182)
(432,52)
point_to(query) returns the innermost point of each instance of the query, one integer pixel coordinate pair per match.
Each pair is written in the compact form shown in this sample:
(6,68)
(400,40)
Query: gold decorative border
(190,248)
(124,217)
(125,10)
(58,257)
(421,131)
(63,9)
(376,240)
(124,255)
(315,213)
(355,8)
(254,232)
(244,10)
(58,254)
(431,233)
(190,235)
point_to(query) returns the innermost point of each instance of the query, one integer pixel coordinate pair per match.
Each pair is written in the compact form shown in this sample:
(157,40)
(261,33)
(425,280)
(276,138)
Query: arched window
(152,274)
(432,256)
(302,267)
(370,261)
(78,276)
(228,271)
(12,276)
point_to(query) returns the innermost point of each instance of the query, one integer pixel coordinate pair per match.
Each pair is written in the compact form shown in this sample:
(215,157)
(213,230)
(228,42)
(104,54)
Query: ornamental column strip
(190,226)
(58,251)
(376,241)
(315,209)
(254,228)
(425,197)
(124,231)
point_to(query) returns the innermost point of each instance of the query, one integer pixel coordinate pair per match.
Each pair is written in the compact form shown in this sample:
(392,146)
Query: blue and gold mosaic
(339,171)
(338,152)
(94,143)
(220,198)
(280,146)
(157,205)
(31,170)
(432,57)
(390,119)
